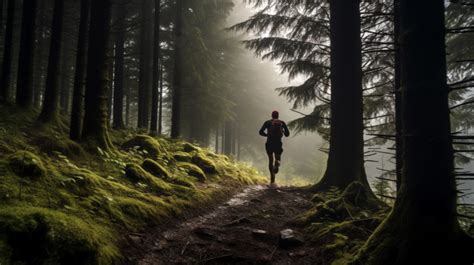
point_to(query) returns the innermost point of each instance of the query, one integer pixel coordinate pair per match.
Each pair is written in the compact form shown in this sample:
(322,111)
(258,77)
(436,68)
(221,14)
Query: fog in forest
(303,161)
(304,158)
(150,132)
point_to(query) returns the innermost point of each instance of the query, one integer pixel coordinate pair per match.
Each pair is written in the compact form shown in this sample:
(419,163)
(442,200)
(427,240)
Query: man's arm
(262,130)
(285,130)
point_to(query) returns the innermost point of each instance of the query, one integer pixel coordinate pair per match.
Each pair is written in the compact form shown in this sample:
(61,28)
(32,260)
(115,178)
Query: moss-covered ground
(341,221)
(61,203)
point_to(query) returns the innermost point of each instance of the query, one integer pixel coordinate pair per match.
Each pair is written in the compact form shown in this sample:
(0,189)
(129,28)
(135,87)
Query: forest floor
(244,230)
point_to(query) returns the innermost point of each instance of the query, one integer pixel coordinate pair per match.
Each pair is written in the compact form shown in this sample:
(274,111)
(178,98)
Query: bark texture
(96,116)
(7,53)
(423,227)
(80,74)
(346,153)
(24,92)
(176,97)
(50,108)
(118,122)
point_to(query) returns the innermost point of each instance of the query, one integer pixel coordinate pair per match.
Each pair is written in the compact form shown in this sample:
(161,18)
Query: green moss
(51,144)
(358,195)
(145,180)
(155,168)
(86,198)
(341,222)
(145,143)
(38,235)
(26,164)
(343,258)
(193,171)
(182,157)
(158,170)
(139,212)
(188,148)
(82,183)
(204,163)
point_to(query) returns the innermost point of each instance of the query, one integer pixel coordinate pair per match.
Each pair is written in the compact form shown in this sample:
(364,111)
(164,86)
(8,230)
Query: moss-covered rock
(143,211)
(193,170)
(26,164)
(182,157)
(204,163)
(51,145)
(42,236)
(140,176)
(87,198)
(82,183)
(188,148)
(156,169)
(160,171)
(146,144)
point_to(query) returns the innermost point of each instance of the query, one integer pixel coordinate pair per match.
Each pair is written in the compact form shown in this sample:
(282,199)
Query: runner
(274,130)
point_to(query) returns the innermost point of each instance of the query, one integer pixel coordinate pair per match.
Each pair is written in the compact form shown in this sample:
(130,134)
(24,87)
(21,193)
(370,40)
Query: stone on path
(239,221)
(205,234)
(290,238)
(259,233)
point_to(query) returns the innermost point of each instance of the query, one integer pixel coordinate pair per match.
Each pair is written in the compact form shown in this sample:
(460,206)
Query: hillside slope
(61,203)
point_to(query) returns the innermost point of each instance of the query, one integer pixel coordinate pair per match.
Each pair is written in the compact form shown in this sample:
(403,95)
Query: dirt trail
(244,230)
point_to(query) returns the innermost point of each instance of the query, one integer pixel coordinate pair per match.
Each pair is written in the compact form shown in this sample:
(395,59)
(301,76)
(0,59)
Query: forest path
(244,230)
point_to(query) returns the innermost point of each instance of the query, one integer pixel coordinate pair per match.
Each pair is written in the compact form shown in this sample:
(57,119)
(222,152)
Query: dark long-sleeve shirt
(268,125)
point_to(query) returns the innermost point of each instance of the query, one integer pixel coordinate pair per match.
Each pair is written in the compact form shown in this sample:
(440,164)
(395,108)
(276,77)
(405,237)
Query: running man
(274,130)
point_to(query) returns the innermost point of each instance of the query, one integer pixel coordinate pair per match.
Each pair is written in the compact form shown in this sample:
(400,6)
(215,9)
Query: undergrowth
(341,221)
(62,204)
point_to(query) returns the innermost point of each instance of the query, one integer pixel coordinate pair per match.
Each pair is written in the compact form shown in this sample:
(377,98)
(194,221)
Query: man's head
(275,114)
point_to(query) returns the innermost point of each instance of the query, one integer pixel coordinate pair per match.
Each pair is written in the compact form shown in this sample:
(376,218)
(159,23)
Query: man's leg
(278,159)
(270,167)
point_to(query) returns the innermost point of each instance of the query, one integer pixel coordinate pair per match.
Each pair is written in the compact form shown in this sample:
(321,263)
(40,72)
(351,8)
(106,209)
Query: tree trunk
(41,51)
(223,139)
(160,111)
(145,65)
(118,122)
(346,152)
(80,74)
(7,53)
(95,130)
(234,140)
(156,69)
(239,144)
(127,103)
(110,74)
(1,17)
(64,80)
(398,96)
(24,92)
(228,138)
(176,100)
(423,227)
(216,145)
(49,112)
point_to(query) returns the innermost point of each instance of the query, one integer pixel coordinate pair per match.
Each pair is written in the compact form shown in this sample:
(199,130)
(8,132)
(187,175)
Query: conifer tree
(80,73)
(50,110)
(96,119)
(7,53)
(24,92)
(423,225)
(118,122)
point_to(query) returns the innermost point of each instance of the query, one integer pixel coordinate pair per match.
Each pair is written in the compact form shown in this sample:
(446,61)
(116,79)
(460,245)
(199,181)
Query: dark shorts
(274,147)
